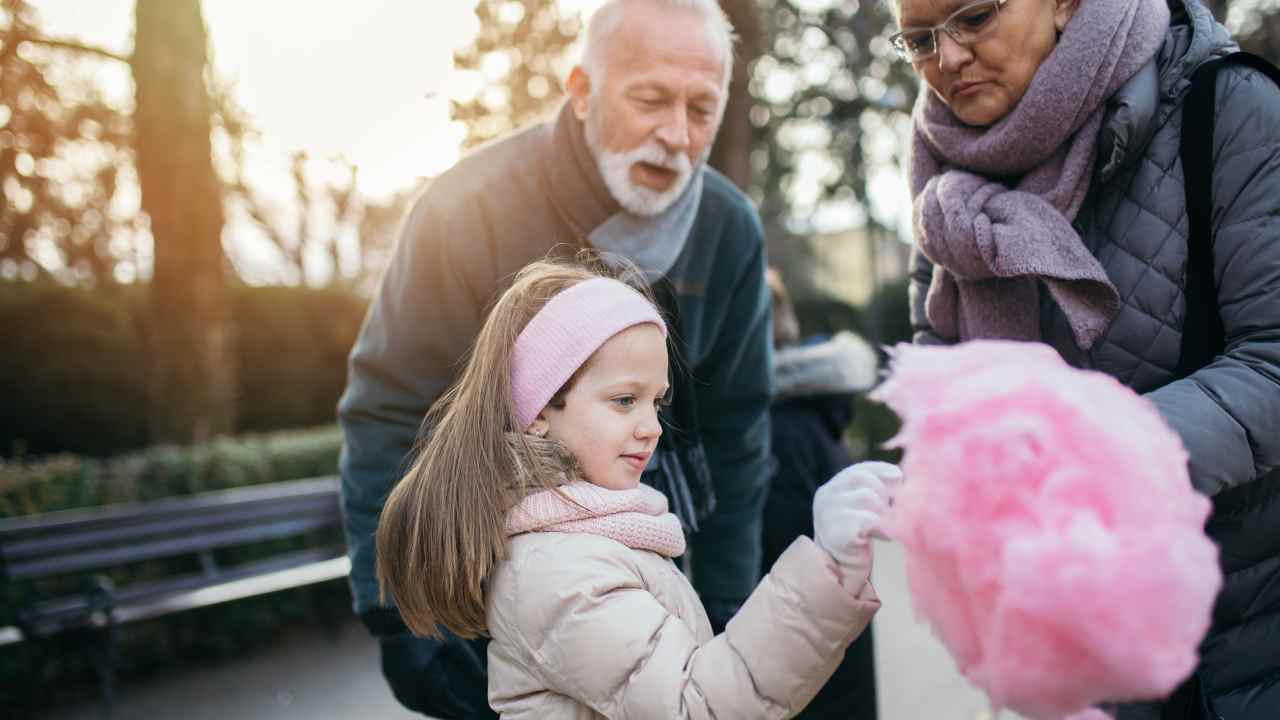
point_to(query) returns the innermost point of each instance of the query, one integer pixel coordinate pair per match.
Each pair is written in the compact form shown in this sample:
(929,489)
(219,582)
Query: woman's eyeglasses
(966,26)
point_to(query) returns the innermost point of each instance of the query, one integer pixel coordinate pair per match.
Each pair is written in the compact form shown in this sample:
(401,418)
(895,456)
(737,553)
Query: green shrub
(33,672)
(74,373)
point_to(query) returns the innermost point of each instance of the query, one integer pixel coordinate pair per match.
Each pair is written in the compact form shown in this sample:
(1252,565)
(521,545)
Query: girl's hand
(847,511)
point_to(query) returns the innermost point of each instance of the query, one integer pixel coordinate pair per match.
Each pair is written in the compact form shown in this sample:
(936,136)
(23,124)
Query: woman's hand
(847,511)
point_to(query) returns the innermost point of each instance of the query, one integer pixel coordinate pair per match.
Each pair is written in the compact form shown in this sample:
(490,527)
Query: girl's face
(610,416)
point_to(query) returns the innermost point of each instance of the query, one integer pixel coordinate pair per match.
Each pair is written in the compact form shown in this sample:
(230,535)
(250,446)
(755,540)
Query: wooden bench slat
(238,589)
(167,547)
(52,612)
(135,532)
(285,579)
(54,523)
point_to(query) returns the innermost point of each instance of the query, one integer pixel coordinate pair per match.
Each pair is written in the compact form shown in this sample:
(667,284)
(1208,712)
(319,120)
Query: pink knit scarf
(637,518)
(994,205)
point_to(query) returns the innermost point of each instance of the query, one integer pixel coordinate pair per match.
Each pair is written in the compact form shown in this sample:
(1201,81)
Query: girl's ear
(539,426)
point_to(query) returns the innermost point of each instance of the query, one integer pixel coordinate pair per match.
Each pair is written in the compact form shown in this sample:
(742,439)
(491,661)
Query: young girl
(523,519)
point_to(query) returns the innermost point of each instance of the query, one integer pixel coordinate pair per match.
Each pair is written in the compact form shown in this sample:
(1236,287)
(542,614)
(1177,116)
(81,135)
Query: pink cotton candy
(1052,536)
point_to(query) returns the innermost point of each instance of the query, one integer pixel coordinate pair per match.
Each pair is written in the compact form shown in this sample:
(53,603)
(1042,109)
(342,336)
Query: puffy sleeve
(1228,412)
(585,622)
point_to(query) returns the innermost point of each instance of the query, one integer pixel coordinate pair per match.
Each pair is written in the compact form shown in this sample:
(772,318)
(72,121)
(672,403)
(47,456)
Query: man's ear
(1062,13)
(579,87)
(539,426)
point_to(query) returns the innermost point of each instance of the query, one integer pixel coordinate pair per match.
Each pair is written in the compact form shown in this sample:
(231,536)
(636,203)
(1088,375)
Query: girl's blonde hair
(442,531)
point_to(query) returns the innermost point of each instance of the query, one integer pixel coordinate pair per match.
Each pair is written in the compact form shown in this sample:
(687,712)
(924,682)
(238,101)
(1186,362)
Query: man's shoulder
(499,168)
(728,232)
(721,196)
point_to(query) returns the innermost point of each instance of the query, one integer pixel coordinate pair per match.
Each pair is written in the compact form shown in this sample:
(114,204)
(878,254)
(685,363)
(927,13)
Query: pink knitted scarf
(637,518)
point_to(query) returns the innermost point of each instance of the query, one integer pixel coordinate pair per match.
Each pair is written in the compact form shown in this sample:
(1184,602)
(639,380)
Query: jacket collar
(1135,111)
(1128,123)
(572,178)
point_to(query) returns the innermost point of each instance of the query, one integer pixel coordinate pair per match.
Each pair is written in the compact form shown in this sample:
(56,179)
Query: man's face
(653,117)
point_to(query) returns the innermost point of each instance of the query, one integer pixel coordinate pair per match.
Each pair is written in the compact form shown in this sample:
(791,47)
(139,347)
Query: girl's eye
(625,401)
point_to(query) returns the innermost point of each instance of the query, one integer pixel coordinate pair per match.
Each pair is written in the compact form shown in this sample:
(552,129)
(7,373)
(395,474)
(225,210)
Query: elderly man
(622,168)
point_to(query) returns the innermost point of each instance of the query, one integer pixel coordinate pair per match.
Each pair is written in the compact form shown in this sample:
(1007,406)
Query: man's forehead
(648,41)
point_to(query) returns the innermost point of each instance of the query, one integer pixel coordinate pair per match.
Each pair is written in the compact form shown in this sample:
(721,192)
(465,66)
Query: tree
(831,102)
(65,160)
(731,154)
(192,378)
(521,51)
(1256,24)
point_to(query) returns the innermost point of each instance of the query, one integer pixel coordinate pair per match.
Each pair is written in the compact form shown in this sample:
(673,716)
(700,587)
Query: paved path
(310,677)
(315,676)
(917,678)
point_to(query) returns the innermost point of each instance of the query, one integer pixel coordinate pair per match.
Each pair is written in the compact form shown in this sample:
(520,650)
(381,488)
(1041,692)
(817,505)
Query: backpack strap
(1203,336)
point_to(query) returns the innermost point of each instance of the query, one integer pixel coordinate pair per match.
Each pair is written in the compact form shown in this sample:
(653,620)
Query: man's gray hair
(608,17)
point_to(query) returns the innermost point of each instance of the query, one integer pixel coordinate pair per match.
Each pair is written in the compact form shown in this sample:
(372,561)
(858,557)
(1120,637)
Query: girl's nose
(649,427)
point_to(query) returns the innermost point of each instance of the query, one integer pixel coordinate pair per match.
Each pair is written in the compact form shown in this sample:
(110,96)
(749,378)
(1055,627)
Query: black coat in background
(816,386)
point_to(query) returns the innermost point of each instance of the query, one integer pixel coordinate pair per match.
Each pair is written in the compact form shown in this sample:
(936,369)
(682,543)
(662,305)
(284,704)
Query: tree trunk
(191,376)
(731,154)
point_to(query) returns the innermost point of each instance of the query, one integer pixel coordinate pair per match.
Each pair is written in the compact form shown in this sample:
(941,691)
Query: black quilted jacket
(1227,413)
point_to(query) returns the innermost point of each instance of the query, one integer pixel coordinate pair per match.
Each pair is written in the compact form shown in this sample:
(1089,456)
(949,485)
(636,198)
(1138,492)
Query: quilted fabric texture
(1227,413)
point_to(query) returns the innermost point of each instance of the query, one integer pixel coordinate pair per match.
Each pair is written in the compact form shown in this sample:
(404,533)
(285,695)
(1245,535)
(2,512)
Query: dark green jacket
(501,207)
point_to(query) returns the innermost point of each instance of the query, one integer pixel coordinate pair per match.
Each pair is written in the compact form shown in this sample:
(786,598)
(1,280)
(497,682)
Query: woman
(1049,206)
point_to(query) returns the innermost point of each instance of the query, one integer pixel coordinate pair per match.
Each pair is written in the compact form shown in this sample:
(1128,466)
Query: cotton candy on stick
(1052,537)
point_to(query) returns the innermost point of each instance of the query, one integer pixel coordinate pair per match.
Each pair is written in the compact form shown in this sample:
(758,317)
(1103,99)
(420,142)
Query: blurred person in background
(816,379)
(622,169)
(1050,206)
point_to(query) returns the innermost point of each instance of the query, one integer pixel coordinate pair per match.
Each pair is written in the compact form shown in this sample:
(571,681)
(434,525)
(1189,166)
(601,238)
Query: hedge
(73,376)
(35,673)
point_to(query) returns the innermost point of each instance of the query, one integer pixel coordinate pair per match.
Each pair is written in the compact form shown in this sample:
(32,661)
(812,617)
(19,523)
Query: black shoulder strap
(1203,337)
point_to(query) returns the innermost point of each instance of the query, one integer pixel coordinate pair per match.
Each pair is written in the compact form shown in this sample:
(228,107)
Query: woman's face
(981,83)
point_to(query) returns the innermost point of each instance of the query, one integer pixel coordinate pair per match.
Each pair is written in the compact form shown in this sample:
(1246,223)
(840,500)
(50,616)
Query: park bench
(69,551)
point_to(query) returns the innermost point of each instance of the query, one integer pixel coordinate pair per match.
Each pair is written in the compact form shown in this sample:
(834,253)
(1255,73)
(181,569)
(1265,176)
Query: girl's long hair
(442,531)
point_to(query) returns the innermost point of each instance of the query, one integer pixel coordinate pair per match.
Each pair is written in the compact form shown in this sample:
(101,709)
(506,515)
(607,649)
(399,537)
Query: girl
(523,519)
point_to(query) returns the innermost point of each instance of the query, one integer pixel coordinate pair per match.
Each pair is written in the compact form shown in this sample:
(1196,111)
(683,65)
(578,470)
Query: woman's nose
(951,54)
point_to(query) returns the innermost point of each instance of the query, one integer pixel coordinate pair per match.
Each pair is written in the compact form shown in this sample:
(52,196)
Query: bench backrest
(85,540)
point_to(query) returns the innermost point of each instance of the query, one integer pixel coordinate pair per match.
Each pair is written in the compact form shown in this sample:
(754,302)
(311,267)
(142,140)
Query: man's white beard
(615,168)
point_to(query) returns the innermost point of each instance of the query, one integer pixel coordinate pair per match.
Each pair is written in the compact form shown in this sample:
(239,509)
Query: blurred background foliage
(814,131)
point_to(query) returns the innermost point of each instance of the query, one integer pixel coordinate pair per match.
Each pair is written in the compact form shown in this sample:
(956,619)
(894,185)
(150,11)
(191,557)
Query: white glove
(847,511)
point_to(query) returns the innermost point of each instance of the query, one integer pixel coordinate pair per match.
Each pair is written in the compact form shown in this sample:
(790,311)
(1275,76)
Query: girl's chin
(616,483)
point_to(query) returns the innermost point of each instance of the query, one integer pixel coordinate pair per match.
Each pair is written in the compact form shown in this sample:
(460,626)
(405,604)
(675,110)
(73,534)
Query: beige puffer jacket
(585,627)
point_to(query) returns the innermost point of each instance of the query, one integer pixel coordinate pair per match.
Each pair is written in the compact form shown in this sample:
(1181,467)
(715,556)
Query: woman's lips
(966,87)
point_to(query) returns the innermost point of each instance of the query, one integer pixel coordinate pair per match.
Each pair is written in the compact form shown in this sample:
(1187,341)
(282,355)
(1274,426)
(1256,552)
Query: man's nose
(951,54)
(673,133)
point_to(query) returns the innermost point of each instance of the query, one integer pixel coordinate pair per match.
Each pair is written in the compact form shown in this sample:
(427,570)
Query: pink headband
(564,334)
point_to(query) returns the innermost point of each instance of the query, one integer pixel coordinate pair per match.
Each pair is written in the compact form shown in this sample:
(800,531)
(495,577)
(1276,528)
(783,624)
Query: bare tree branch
(73,45)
